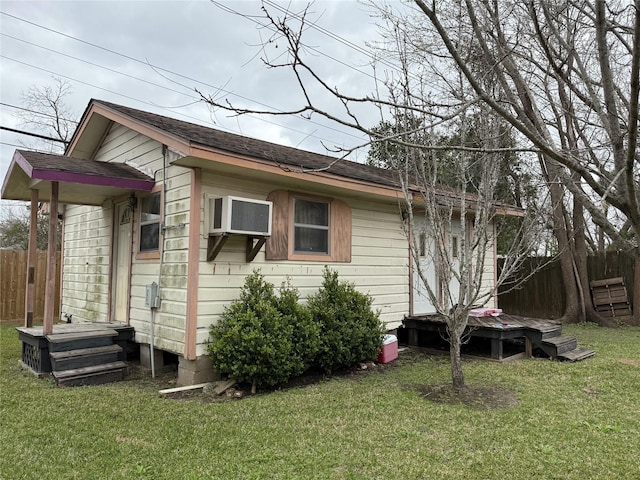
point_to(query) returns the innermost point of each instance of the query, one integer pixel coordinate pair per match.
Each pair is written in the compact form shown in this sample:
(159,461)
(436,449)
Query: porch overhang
(81,181)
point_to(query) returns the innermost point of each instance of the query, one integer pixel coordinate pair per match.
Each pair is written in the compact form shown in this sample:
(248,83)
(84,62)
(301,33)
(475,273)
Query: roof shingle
(293,158)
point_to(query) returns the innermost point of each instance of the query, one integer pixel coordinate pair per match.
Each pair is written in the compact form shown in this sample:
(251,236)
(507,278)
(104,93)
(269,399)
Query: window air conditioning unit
(242,216)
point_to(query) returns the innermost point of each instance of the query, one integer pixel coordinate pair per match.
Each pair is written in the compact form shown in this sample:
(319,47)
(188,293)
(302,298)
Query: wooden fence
(13,275)
(543,296)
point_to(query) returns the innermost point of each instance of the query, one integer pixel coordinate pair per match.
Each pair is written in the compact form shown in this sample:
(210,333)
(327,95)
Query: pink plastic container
(389,350)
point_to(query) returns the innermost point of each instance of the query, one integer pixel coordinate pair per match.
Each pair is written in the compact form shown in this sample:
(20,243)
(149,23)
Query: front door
(453,240)
(425,264)
(122,262)
(422,303)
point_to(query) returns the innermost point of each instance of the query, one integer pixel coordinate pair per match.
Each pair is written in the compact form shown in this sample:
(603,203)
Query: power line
(31,134)
(7,144)
(162,69)
(332,35)
(256,117)
(12,145)
(70,78)
(93,64)
(250,18)
(35,112)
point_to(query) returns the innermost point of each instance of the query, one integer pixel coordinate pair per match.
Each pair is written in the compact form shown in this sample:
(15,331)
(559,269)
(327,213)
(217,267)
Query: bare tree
(45,110)
(455,277)
(564,75)
(567,78)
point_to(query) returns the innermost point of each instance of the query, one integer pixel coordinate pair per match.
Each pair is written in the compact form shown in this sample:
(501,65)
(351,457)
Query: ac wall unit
(237,215)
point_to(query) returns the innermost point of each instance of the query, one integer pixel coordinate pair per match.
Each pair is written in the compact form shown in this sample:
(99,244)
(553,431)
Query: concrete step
(62,342)
(93,375)
(84,357)
(576,355)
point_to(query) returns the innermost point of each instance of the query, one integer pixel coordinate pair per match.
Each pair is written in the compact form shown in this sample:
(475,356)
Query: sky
(151,55)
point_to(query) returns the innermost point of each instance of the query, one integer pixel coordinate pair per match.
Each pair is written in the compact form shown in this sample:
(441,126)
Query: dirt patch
(479,397)
(243,390)
(625,361)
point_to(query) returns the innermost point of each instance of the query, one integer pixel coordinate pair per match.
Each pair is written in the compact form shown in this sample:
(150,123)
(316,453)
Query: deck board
(499,329)
(501,322)
(63,328)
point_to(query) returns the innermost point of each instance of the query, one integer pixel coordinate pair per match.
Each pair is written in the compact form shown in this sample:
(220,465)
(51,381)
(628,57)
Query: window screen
(311,226)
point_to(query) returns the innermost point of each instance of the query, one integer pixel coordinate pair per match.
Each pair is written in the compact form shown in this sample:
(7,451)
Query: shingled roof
(295,159)
(87,182)
(56,167)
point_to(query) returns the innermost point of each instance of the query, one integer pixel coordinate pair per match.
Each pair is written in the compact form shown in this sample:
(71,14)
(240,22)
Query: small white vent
(243,216)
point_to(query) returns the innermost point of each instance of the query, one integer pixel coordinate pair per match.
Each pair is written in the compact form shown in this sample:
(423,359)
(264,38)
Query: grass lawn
(573,421)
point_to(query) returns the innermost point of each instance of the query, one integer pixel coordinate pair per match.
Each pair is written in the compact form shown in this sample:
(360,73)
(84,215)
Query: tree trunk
(636,292)
(573,311)
(456,362)
(582,274)
(561,230)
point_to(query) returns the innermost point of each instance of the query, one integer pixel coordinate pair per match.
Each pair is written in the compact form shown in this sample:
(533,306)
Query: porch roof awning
(81,181)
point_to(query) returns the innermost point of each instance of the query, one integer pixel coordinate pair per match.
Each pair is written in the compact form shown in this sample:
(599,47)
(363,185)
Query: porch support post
(50,286)
(32,258)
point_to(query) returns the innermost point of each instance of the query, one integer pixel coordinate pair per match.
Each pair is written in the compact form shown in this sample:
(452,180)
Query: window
(150,223)
(423,244)
(307,228)
(310,226)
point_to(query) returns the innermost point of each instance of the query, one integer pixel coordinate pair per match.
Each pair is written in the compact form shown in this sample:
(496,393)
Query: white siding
(169,319)
(379,264)
(88,238)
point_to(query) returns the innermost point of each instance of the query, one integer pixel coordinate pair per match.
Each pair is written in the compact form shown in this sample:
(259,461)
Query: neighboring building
(151,222)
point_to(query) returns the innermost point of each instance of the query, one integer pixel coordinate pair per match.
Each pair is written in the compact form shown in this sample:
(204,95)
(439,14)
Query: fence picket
(13,284)
(543,296)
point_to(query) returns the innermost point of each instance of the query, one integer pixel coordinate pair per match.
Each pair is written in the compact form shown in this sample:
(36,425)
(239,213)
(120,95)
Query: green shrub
(306,333)
(253,340)
(264,338)
(350,331)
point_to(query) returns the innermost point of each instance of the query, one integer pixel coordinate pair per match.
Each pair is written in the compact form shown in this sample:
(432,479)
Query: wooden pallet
(610,298)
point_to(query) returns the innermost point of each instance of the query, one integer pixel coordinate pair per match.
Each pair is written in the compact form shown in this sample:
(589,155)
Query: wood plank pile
(610,298)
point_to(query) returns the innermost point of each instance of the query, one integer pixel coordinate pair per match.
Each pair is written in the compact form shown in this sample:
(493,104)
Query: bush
(350,331)
(263,338)
(266,339)
(306,333)
(253,340)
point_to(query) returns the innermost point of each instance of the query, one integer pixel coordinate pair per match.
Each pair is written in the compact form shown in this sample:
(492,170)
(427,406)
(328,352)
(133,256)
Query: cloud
(102,47)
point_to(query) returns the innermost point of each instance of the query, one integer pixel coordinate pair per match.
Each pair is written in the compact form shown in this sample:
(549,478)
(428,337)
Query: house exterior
(166,229)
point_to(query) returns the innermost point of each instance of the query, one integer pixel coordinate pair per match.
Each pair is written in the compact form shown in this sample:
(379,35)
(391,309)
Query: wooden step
(93,375)
(557,345)
(551,331)
(62,342)
(85,357)
(576,354)
(541,333)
